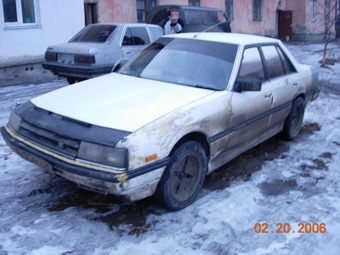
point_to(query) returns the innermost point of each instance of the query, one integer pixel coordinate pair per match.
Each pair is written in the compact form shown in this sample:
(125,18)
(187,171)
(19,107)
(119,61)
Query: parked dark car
(99,49)
(195,19)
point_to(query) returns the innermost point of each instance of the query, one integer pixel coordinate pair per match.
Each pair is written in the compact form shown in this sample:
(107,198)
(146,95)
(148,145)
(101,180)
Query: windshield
(188,62)
(94,33)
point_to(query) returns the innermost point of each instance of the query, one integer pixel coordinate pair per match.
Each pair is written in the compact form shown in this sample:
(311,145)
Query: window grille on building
(143,8)
(194,3)
(20,12)
(229,9)
(257,6)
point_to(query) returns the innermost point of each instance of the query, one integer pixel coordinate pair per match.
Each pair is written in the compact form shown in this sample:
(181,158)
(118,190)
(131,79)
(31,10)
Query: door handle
(295,83)
(268,94)
(127,52)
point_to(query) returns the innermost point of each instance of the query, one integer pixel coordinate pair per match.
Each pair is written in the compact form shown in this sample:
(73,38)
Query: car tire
(71,80)
(294,120)
(183,177)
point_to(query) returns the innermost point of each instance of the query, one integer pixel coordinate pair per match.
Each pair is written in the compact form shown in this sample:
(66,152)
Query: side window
(127,40)
(273,61)
(209,17)
(192,17)
(136,36)
(288,66)
(251,66)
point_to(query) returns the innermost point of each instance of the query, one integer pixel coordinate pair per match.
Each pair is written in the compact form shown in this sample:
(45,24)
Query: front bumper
(73,70)
(135,185)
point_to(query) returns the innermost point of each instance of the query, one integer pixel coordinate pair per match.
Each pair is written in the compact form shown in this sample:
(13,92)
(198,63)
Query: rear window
(94,33)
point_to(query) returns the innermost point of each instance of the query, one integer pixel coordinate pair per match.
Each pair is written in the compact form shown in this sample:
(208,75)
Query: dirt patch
(310,128)
(327,155)
(318,165)
(242,167)
(133,216)
(87,199)
(277,187)
(130,215)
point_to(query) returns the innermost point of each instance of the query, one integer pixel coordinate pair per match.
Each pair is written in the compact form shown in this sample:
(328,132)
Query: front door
(250,110)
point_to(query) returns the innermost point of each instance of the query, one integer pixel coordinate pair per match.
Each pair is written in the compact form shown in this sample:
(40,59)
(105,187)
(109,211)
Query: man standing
(173,25)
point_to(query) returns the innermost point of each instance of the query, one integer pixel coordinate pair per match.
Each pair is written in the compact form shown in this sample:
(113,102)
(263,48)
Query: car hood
(118,101)
(78,47)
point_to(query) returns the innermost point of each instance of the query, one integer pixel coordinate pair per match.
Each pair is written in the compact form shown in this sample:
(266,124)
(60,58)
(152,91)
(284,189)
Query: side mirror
(247,84)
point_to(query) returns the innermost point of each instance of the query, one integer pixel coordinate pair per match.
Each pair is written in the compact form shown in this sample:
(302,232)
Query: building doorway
(91,16)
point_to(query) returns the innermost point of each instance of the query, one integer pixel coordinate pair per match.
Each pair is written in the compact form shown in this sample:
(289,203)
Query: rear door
(282,81)
(134,40)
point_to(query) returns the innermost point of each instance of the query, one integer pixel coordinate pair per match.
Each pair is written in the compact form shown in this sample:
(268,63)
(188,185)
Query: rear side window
(136,36)
(288,66)
(252,66)
(273,61)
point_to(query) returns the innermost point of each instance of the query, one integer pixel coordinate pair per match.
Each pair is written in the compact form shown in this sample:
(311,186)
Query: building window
(257,4)
(314,4)
(143,8)
(337,15)
(229,9)
(20,12)
(194,3)
(90,13)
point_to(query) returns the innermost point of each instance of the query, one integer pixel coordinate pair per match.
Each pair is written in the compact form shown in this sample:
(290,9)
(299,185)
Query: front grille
(60,133)
(56,142)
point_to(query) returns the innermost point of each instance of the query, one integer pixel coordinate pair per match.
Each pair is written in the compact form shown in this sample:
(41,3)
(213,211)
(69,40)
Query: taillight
(84,59)
(50,56)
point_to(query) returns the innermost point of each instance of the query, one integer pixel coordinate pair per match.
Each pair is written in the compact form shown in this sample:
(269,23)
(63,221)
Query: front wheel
(183,177)
(294,120)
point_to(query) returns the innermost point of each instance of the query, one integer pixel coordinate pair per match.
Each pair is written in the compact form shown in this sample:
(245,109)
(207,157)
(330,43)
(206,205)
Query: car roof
(233,38)
(125,24)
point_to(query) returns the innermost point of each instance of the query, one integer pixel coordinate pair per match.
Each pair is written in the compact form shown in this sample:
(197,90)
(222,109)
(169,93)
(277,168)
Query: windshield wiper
(201,86)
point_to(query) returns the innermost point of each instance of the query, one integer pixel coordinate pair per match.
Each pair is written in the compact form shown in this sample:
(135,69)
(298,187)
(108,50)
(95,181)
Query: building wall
(22,49)
(243,21)
(117,11)
(60,20)
(178,2)
(305,26)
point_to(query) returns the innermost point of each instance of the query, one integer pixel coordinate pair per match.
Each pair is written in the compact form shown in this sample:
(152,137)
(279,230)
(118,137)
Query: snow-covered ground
(295,183)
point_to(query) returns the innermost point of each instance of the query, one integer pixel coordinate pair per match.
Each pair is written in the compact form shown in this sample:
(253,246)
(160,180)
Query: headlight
(115,157)
(14,120)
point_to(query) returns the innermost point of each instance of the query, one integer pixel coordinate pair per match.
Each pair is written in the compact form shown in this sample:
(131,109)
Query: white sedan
(184,106)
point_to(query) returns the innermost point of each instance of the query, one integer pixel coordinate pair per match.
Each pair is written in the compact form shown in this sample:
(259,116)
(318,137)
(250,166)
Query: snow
(42,214)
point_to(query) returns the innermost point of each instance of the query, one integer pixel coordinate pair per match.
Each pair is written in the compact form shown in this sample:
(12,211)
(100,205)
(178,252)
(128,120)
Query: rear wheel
(294,120)
(72,80)
(183,177)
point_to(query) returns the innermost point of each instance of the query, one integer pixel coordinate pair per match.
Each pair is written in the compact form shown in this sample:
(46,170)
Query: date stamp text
(286,228)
